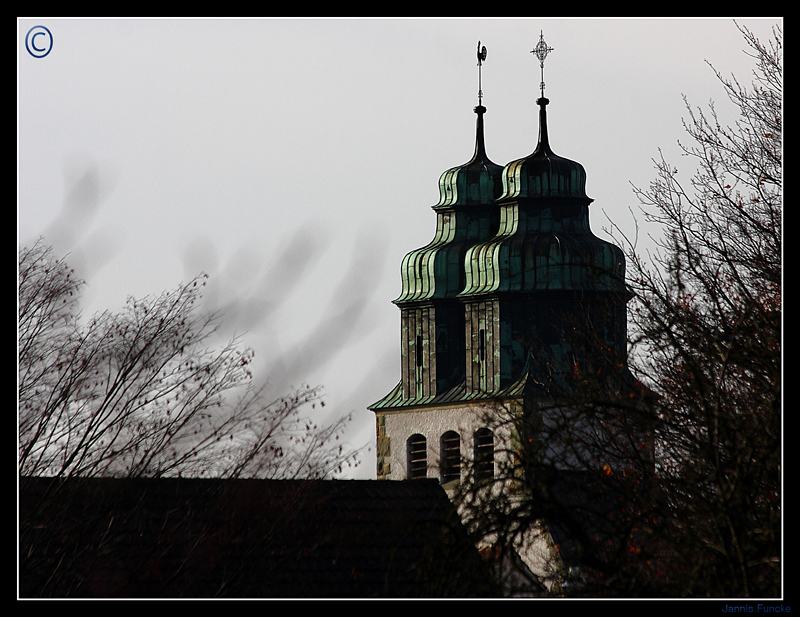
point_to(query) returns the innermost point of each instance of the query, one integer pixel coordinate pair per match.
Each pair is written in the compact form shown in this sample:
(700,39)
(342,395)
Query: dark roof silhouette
(243,538)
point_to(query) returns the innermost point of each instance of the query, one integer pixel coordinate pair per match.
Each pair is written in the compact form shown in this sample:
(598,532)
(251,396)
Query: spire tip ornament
(540,51)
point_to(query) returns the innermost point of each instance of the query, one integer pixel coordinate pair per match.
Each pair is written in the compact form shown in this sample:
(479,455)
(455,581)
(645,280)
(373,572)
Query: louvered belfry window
(484,454)
(451,457)
(417,452)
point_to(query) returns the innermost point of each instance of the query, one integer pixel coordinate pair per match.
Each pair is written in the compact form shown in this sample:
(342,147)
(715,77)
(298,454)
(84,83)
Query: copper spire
(480,148)
(541,51)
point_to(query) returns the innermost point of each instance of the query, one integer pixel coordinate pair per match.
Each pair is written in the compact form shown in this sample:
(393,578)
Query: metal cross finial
(540,51)
(481,58)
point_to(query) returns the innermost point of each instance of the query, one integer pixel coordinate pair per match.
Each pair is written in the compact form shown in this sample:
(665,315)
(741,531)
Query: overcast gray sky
(296,160)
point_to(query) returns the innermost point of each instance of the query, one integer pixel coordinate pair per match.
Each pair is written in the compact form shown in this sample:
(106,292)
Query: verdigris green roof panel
(481,263)
(417,269)
(457,394)
(448,187)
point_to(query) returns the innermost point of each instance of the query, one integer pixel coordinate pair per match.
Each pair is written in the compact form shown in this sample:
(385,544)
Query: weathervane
(481,58)
(540,51)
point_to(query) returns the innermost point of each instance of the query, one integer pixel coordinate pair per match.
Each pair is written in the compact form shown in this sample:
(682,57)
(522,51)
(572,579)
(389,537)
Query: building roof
(243,538)
(457,395)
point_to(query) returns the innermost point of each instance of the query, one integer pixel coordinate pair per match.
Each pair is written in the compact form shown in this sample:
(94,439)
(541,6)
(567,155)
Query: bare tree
(708,318)
(140,393)
(666,481)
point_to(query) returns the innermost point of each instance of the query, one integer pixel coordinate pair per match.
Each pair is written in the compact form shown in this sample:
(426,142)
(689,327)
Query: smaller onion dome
(544,173)
(476,182)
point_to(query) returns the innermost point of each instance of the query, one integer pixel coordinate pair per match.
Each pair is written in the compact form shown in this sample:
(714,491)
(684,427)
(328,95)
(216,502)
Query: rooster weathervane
(481,58)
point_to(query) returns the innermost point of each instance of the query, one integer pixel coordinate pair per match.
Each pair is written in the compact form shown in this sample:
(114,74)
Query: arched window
(484,454)
(450,457)
(417,456)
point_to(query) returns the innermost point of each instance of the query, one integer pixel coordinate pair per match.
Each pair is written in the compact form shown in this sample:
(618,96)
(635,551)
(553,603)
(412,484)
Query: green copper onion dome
(465,215)
(475,182)
(544,173)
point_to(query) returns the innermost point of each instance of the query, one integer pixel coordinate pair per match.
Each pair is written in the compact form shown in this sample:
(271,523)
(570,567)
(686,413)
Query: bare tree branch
(139,393)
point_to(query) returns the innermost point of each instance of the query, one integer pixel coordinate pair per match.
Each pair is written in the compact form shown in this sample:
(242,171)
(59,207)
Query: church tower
(498,306)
